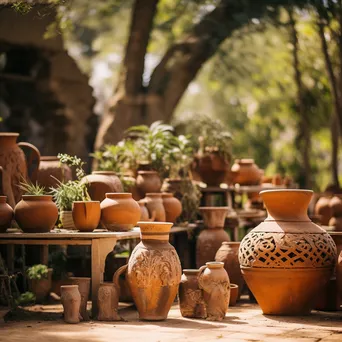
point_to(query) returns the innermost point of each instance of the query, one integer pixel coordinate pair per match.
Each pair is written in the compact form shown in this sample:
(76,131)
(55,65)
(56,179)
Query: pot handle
(117,274)
(32,156)
(201,270)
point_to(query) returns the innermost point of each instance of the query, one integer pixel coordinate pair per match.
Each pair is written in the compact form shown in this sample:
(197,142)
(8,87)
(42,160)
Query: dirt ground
(243,322)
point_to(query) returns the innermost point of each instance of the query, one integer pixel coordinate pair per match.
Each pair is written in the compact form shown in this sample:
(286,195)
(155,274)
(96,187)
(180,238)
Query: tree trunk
(334,149)
(304,121)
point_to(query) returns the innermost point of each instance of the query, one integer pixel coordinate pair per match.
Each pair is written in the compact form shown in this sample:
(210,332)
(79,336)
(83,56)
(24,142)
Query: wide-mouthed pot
(86,215)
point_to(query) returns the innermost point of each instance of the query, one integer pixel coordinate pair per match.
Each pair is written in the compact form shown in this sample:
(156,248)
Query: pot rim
(69,287)
(234,286)
(167,194)
(80,278)
(214,264)
(191,270)
(49,158)
(308,191)
(213,208)
(9,134)
(98,172)
(283,269)
(231,243)
(86,201)
(37,197)
(154,194)
(147,172)
(117,195)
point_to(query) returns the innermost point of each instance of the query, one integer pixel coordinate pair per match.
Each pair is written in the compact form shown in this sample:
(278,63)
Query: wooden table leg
(99,251)
(44,254)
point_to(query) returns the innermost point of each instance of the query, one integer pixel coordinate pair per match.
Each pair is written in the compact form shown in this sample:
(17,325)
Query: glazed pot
(153,271)
(323,209)
(143,211)
(51,169)
(86,215)
(119,212)
(287,260)
(108,302)
(41,287)
(228,253)
(234,294)
(101,182)
(172,206)
(210,239)
(246,172)
(6,214)
(67,220)
(155,207)
(14,166)
(71,301)
(214,281)
(83,284)
(36,214)
(148,181)
(191,301)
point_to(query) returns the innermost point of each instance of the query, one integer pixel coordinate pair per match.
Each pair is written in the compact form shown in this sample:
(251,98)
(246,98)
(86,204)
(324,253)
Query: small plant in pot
(77,211)
(39,279)
(36,212)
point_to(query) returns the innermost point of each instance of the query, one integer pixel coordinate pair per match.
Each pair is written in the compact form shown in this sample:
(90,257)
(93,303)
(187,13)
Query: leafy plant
(191,196)
(31,189)
(25,298)
(67,193)
(37,272)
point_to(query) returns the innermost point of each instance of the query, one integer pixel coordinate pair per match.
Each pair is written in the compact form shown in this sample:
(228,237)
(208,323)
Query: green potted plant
(39,280)
(36,212)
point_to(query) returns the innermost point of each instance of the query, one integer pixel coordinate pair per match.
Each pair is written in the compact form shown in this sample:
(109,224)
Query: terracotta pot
(214,217)
(287,260)
(328,300)
(71,300)
(229,255)
(153,271)
(130,185)
(210,240)
(323,209)
(234,294)
(172,206)
(214,281)
(277,180)
(83,284)
(339,279)
(336,222)
(36,214)
(155,207)
(41,287)
(50,166)
(191,301)
(108,302)
(14,166)
(86,215)
(101,182)
(212,168)
(67,220)
(246,172)
(6,214)
(148,181)
(336,206)
(119,212)
(143,211)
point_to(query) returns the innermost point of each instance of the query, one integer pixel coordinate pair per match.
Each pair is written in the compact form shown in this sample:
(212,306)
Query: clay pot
(153,271)
(234,294)
(101,182)
(214,281)
(6,214)
(119,212)
(83,284)
(212,168)
(328,300)
(36,214)
(339,279)
(14,166)
(108,302)
(71,300)
(67,220)
(143,211)
(172,206)
(287,260)
(246,172)
(148,181)
(210,240)
(277,180)
(50,166)
(86,215)
(41,287)
(191,301)
(323,209)
(336,206)
(336,222)
(229,255)
(154,205)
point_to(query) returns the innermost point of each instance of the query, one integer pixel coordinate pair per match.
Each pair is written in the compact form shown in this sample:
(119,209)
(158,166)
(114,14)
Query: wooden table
(101,244)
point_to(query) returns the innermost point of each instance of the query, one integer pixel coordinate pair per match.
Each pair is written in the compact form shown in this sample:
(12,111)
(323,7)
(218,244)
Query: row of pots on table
(118,212)
(329,210)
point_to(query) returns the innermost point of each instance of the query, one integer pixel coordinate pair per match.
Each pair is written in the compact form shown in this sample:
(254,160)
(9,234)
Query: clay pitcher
(71,300)
(108,302)
(153,271)
(14,166)
(214,281)
(6,214)
(154,205)
(191,301)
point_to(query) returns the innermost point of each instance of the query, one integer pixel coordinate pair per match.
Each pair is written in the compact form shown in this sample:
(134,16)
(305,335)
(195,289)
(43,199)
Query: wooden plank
(44,242)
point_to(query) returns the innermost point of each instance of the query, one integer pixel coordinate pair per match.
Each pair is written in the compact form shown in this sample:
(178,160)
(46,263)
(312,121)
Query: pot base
(286,292)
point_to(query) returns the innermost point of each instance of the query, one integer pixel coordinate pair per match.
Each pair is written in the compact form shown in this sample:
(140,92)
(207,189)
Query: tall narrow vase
(287,259)
(153,271)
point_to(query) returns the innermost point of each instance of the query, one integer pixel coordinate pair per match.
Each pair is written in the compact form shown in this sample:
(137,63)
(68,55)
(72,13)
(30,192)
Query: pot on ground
(234,294)
(86,215)
(41,287)
(83,284)
(71,301)
(36,214)
(6,214)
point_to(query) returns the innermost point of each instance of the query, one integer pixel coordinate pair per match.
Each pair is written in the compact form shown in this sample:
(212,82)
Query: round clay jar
(323,209)
(172,206)
(6,214)
(148,182)
(336,206)
(119,212)
(246,172)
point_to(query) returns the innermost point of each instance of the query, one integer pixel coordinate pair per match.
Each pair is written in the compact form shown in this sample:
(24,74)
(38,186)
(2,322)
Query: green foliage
(31,189)
(191,196)
(26,298)
(37,272)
